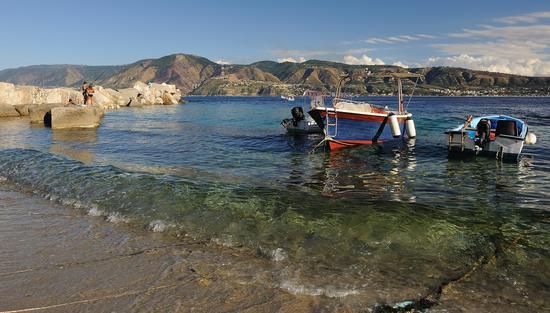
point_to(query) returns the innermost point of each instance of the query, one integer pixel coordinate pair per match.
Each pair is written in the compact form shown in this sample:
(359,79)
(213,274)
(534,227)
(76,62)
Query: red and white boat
(349,123)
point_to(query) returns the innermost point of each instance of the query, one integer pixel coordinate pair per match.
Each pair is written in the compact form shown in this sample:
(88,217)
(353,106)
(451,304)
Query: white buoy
(411,130)
(394,124)
(530,139)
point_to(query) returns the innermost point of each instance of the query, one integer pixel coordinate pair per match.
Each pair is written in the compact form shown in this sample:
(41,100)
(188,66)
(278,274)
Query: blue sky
(508,36)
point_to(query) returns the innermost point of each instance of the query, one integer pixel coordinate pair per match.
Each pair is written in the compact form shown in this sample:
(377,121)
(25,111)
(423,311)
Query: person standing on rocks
(90,94)
(84,90)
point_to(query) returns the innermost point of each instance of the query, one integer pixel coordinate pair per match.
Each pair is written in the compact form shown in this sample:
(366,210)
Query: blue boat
(498,136)
(350,123)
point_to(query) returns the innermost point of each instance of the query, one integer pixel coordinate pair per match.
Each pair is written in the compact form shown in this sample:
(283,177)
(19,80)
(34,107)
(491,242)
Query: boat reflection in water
(374,171)
(381,171)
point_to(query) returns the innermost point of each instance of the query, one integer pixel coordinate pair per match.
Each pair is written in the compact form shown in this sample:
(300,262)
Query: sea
(377,221)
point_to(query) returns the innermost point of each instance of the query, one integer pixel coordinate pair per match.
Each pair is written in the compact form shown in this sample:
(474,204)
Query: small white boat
(287,98)
(498,136)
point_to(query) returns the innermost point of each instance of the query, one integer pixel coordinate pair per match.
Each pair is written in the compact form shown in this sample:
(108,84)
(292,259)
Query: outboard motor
(483,132)
(297,115)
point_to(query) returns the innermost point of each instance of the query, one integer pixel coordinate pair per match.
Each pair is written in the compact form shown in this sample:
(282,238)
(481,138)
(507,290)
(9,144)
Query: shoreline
(74,262)
(66,259)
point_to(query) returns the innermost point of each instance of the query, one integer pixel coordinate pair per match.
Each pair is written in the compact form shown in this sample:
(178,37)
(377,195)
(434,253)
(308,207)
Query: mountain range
(197,75)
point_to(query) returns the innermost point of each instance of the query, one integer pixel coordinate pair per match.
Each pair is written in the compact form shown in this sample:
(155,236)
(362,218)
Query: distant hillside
(57,75)
(185,71)
(200,76)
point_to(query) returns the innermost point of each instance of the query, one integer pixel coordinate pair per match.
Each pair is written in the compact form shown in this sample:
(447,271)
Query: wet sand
(56,259)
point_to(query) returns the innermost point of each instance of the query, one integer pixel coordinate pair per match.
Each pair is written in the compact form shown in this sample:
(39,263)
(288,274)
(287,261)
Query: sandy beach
(58,260)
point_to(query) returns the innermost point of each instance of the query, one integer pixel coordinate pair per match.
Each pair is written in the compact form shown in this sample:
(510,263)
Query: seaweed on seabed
(432,299)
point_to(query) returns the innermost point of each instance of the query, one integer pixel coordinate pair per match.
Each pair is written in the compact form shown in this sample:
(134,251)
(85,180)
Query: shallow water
(383,223)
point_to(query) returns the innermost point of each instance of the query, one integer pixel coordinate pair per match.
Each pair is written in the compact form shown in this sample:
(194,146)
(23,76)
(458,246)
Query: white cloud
(223,62)
(534,33)
(515,49)
(401,64)
(526,18)
(291,59)
(426,36)
(363,60)
(375,40)
(397,39)
(498,49)
(408,38)
(528,67)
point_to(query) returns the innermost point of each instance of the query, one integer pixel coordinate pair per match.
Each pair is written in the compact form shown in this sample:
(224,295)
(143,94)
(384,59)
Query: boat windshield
(356,106)
(317,98)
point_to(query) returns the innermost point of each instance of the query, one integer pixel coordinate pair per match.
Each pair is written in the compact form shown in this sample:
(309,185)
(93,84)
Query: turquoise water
(384,220)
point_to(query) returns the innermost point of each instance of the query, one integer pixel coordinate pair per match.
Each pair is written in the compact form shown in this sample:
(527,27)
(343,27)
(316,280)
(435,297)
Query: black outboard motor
(483,132)
(297,115)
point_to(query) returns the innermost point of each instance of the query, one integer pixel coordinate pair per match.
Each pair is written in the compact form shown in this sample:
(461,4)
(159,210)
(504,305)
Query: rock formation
(56,107)
(37,113)
(73,117)
(24,99)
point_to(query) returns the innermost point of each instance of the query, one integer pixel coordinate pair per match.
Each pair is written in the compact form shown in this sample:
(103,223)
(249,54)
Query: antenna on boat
(341,81)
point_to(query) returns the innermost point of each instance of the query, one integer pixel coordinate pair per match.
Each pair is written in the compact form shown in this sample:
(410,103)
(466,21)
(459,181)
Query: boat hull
(346,129)
(506,148)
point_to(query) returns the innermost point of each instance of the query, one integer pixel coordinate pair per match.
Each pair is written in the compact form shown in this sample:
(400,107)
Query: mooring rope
(327,138)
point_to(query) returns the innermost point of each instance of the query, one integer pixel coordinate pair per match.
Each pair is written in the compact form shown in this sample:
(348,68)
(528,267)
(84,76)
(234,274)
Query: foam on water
(117,218)
(276,255)
(95,211)
(226,241)
(311,290)
(158,226)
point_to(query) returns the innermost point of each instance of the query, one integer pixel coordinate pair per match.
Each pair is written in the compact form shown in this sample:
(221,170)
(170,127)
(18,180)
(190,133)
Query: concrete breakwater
(16,100)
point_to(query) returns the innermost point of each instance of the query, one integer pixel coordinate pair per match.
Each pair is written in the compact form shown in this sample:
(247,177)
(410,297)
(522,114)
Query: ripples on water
(388,218)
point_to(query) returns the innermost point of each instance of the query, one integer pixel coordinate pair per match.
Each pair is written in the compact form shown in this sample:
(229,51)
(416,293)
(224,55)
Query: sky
(509,36)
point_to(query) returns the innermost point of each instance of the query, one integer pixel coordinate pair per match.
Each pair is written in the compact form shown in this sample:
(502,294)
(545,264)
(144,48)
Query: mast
(397,77)
(341,82)
(400,95)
